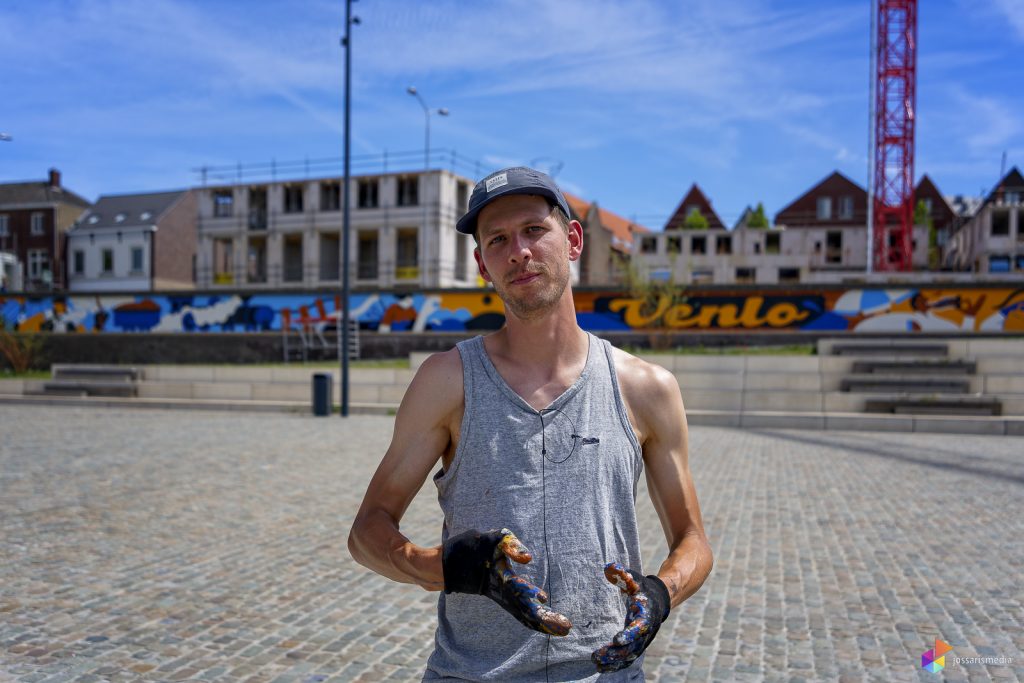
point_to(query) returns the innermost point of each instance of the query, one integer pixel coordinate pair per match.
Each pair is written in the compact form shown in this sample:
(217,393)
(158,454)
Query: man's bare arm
(422,434)
(657,405)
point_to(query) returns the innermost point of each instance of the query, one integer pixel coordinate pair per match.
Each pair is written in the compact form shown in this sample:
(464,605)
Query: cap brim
(467,224)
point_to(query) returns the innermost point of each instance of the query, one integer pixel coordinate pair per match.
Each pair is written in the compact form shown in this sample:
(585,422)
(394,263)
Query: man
(542,431)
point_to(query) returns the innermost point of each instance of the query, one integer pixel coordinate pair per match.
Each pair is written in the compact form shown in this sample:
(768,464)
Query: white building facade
(287,234)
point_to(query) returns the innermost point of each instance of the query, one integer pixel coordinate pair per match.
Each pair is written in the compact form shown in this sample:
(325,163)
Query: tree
(695,220)
(758,219)
(921,214)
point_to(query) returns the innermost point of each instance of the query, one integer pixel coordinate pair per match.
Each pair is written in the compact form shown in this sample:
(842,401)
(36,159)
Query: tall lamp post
(427,111)
(343,320)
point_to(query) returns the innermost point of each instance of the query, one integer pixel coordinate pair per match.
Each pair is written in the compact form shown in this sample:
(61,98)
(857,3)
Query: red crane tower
(893,182)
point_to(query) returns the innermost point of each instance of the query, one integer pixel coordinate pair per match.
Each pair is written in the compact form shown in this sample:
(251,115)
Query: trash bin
(322,394)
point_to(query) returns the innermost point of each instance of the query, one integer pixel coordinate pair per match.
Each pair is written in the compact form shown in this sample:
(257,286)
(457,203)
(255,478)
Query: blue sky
(634,100)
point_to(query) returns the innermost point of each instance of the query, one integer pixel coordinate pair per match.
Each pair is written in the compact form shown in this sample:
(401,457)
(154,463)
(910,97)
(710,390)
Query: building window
(999,264)
(789,275)
(330,196)
(834,246)
(223,261)
(136,259)
(927,204)
(107,260)
(293,260)
(37,223)
(703,277)
(723,244)
(461,197)
(649,245)
(771,243)
(368,194)
(824,208)
(745,275)
(223,204)
(757,247)
(257,208)
(698,245)
(38,264)
(1000,223)
(674,244)
(256,260)
(330,256)
(79,262)
(1020,261)
(4,225)
(367,255)
(1013,198)
(408,191)
(846,207)
(293,198)
(408,254)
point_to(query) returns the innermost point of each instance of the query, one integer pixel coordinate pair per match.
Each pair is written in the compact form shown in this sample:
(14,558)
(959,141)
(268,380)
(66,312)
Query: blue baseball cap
(506,182)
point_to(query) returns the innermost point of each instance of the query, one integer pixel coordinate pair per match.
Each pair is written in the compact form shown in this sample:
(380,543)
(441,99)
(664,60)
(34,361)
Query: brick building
(34,219)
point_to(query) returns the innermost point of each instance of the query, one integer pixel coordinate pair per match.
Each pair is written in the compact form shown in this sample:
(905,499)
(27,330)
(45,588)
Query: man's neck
(553,340)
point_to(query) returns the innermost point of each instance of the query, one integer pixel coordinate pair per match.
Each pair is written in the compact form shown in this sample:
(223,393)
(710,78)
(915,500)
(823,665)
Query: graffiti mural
(903,310)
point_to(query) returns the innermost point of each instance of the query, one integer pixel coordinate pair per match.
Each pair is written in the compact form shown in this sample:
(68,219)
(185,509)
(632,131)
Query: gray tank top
(564,480)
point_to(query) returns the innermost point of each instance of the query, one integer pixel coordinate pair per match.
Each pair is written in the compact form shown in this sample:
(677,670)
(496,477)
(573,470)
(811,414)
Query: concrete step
(869,349)
(967,405)
(97,372)
(89,388)
(905,384)
(908,367)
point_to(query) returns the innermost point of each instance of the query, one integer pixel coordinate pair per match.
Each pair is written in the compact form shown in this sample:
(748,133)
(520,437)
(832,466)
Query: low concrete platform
(813,420)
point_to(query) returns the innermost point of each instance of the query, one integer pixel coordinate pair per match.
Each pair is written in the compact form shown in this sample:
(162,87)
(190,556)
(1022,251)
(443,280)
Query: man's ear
(575,240)
(481,268)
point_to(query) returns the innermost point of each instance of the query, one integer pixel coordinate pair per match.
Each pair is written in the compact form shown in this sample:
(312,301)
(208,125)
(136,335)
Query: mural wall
(960,309)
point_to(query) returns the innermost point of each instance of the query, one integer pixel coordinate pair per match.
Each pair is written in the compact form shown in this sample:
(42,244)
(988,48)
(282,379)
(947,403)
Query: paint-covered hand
(647,606)
(477,562)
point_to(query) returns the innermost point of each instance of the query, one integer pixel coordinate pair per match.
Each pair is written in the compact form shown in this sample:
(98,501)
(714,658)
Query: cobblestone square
(150,545)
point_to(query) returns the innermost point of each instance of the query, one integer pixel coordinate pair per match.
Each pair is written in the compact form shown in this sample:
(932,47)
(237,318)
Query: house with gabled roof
(134,242)
(712,255)
(694,200)
(34,219)
(991,239)
(828,224)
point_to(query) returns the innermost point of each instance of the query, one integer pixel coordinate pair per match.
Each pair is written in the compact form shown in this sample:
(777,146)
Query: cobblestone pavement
(190,546)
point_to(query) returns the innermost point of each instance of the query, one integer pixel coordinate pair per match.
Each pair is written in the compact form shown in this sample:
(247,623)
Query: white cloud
(1013,12)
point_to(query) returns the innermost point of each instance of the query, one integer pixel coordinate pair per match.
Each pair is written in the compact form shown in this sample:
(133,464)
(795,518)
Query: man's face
(525,252)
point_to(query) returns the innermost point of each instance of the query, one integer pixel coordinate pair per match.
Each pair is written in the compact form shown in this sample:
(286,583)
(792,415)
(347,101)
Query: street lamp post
(427,111)
(343,319)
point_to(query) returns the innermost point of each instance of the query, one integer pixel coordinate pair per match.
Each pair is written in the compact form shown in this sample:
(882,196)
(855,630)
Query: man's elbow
(355,545)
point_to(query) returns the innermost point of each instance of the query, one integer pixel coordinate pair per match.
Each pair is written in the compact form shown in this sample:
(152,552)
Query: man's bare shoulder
(643,382)
(436,388)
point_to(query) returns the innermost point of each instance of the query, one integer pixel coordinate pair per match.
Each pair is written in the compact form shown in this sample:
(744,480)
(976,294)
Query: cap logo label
(497,181)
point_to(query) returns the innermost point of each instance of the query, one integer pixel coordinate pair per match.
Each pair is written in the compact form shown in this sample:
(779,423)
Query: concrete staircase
(89,380)
(914,379)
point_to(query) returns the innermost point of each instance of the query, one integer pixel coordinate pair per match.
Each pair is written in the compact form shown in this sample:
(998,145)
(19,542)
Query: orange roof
(621,228)
(579,206)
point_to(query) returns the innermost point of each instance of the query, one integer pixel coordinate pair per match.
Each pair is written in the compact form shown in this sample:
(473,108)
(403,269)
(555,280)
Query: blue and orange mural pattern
(906,310)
